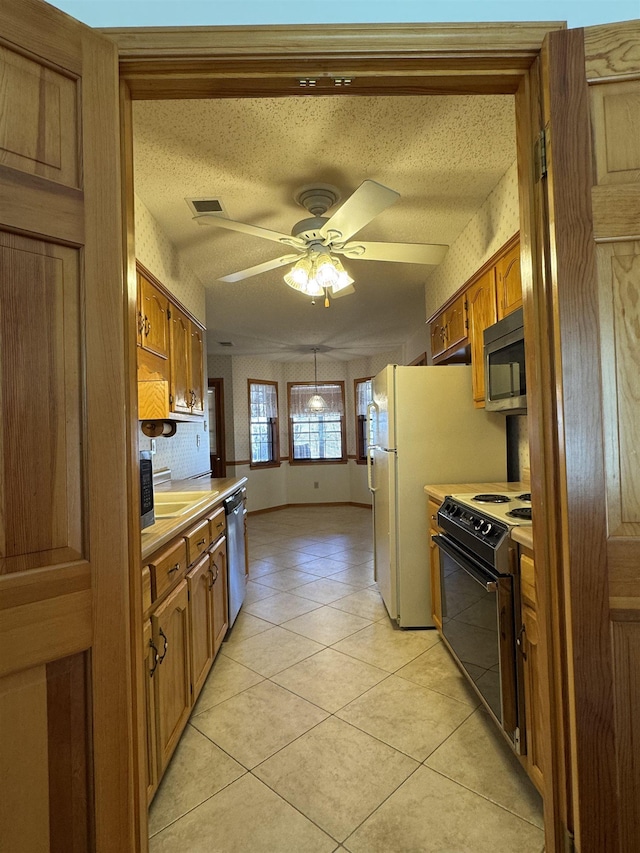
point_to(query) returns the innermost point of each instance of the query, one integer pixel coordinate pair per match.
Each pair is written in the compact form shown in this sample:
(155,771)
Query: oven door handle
(483,577)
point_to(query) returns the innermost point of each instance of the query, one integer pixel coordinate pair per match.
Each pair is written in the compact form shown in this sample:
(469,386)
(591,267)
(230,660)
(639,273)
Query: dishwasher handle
(234,502)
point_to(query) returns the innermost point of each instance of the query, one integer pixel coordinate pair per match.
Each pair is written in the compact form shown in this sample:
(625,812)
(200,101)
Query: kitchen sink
(169,509)
(173,504)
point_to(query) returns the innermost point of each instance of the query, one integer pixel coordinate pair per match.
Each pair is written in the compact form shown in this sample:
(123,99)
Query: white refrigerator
(423,428)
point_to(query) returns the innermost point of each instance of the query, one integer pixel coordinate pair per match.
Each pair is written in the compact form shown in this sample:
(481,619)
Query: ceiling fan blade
(404,253)
(370,199)
(253,230)
(265,267)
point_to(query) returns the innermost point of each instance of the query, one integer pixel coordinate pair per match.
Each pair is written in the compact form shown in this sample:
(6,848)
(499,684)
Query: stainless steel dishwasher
(236,559)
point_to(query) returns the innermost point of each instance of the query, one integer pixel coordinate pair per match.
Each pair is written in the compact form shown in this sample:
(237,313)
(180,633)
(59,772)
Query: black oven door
(478,627)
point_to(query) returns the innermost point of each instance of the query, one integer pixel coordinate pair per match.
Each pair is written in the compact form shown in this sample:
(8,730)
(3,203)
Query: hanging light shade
(316,403)
(318,272)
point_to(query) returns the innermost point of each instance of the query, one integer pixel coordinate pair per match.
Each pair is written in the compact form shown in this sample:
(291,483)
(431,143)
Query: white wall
(268,487)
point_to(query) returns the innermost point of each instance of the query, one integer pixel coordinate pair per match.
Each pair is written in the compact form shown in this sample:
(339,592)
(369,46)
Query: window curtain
(364,396)
(300,395)
(264,402)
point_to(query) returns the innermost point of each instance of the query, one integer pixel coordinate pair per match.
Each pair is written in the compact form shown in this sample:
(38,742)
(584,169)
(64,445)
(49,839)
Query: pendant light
(316,404)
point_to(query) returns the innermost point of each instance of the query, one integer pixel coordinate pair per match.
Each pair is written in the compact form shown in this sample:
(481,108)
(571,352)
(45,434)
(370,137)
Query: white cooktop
(498,510)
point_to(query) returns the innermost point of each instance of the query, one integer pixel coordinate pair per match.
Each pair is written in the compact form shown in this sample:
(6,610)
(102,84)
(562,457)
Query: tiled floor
(322,728)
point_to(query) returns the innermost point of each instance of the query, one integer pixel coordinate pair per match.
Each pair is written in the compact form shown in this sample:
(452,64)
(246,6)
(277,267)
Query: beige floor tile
(272,651)
(197,770)
(258,722)
(257,591)
(358,576)
(336,775)
(226,679)
(244,627)
(330,679)
(281,607)
(325,566)
(246,817)
(437,670)
(432,814)
(286,579)
(323,549)
(326,625)
(409,718)
(364,602)
(259,568)
(323,590)
(478,757)
(388,648)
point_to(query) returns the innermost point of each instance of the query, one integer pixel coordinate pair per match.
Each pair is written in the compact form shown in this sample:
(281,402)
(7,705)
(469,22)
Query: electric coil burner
(479,584)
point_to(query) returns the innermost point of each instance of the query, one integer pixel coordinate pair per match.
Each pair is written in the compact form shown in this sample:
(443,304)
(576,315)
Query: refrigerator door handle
(371,408)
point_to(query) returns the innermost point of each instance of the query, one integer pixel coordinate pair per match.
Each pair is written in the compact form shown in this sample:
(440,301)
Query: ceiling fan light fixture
(316,273)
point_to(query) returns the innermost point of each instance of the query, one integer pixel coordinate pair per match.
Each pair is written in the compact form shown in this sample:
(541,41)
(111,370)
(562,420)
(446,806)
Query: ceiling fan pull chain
(326,297)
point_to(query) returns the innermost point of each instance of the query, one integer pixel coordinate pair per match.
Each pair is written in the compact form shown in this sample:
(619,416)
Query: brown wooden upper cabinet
(153,325)
(508,282)
(449,331)
(494,291)
(170,355)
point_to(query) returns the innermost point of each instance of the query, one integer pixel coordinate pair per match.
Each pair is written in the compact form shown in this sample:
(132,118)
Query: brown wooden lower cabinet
(188,620)
(218,587)
(172,678)
(201,612)
(434,554)
(531,670)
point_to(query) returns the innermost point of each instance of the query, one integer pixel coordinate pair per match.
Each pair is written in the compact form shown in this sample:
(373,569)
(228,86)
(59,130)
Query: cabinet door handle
(201,542)
(214,578)
(141,321)
(156,658)
(174,569)
(147,326)
(166,646)
(520,643)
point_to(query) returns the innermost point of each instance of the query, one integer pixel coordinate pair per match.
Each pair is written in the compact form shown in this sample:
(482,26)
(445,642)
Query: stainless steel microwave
(504,372)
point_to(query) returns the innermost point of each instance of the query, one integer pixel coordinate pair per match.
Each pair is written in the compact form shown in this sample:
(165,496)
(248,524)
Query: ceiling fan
(316,242)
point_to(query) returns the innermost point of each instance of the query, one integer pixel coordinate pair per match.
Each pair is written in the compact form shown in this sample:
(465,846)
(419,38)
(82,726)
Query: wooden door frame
(218,384)
(417,59)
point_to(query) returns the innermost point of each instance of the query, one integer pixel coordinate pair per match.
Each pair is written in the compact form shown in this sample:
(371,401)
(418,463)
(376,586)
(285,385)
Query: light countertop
(206,494)
(521,535)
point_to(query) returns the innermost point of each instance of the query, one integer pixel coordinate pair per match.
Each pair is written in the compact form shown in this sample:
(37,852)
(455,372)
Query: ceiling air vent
(225,343)
(206,205)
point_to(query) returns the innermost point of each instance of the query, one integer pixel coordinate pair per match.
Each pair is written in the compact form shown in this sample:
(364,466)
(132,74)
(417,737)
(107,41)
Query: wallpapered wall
(496,222)
(181,453)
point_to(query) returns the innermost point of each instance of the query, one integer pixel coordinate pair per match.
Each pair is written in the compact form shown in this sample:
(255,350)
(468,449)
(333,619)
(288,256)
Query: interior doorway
(215,407)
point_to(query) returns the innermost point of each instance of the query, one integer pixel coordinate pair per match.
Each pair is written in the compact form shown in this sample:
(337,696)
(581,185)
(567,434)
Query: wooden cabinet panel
(198,540)
(481,313)
(166,567)
(434,555)
(527,581)
(172,677)
(180,349)
(508,282)
(449,330)
(197,370)
(150,655)
(219,590)
(201,623)
(533,699)
(218,524)
(153,322)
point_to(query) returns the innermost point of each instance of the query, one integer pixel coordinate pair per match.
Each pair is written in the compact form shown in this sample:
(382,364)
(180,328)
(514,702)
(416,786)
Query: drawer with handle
(218,524)
(166,567)
(198,540)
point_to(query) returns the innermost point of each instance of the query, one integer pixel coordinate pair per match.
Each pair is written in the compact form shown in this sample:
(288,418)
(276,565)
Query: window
(363,396)
(263,424)
(316,436)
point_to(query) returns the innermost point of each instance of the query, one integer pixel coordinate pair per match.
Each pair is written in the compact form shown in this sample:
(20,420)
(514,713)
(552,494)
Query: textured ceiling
(443,154)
